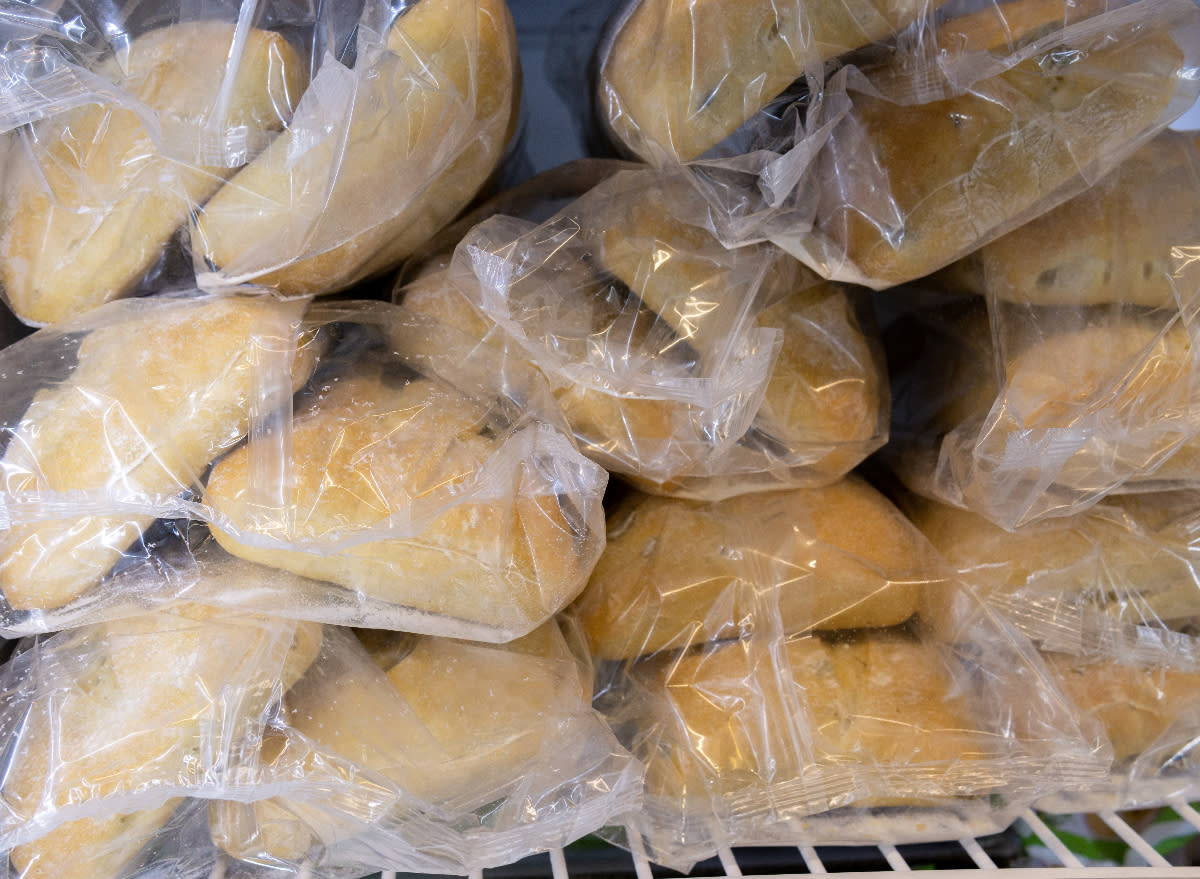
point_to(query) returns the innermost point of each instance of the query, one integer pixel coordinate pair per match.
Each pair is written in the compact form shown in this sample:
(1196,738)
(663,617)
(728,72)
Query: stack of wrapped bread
(352,521)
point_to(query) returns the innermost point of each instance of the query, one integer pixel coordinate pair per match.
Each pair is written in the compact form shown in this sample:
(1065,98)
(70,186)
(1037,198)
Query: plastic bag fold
(684,366)
(779,673)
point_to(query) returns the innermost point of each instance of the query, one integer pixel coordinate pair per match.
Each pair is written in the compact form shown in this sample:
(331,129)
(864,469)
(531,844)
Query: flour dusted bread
(122,708)
(451,723)
(439,511)
(91,201)
(357,185)
(677,572)
(1123,240)
(681,75)
(159,390)
(963,168)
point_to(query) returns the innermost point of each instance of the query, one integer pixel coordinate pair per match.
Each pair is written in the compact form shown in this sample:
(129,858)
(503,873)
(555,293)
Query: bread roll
(159,391)
(90,201)
(142,713)
(1087,403)
(637,430)
(1108,559)
(961,169)
(1135,705)
(450,723)
(1120,241)
(729,721)
(428,125)
(825,388)
(450,523)
(683,74)
(676,572)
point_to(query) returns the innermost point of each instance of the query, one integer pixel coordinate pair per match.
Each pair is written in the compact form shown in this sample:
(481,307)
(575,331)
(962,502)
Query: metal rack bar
(977,854)
(812,860)
(1065,856)
(1134,840)
(895,860)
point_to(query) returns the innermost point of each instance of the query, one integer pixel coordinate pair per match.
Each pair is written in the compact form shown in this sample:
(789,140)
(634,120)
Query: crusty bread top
(731,718)
(678,572)
(684,74)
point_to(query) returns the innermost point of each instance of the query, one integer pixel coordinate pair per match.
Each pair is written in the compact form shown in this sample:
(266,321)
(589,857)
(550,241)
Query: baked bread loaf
(1048,575)
(663,347)
(430,119)
(159,390)
(1134,705)
(677,573)
(450,723)
(969,166)
(826,386)
(90,202)
(1080,405)
(435,509)
(1120,241)
(150,693)
(611,364)
(681,75)
(729,722)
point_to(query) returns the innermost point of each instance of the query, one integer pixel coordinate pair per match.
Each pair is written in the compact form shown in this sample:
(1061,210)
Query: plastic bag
(790,685)
(1117,581)
(1111,596)
(403,486)
(442,485)
(111,421)
(304,149)
(131,120)
(378,157)
(686,367)
(105,728)
(1024,412)
(677,77)
(447,757)
(678,574)
(985,124)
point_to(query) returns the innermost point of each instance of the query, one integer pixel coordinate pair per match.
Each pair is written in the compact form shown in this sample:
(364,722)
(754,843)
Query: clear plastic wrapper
(1020,413)
(111,421)
(124,120)
(973,122)
(1111,596)
(450,757)
(1123,241)
(402,486)
(677,77)
(676,574)
(792,687)
(232,142)
(686,367)
(989,121)
(378,157)
(408,474)
(106,728)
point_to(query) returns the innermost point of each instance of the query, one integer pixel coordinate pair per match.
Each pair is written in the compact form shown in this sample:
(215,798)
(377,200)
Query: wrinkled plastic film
(686,367)
(129,716)
(440,494)
(746,638)
(447,783)
(100,444)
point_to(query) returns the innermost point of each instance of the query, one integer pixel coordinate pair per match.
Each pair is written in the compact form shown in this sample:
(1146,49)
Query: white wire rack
(1155,865)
